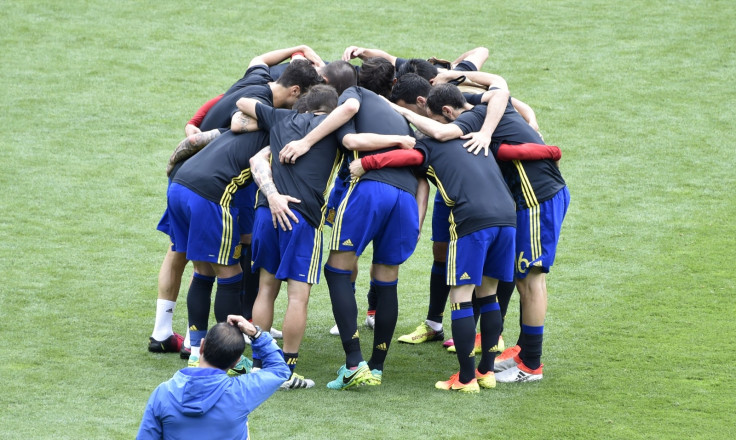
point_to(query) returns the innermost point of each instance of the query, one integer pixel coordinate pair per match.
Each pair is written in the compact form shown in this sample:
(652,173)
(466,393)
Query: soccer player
(480,251)
(255,82)
(203,224)
(213,405)
(410,92)
(380,208)
(287,242)
(541,198)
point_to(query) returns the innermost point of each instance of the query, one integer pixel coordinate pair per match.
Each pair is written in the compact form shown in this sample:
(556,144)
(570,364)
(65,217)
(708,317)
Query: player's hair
(223,346)
(409,87)
(377,75)
(340,75)
(421,67)
(320,98)
(300,73)
(442,95)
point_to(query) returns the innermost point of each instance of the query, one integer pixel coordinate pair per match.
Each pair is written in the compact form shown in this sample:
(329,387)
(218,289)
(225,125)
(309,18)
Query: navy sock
(199,299)
(490,330)
(345,311)
(291,359)
(387,312)
(438,292)
(227,297)
(463,332)
(503,292)
(371,295)
(531,351)
(249,289)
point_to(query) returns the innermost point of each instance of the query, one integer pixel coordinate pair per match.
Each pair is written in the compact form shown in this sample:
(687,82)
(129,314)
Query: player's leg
(163,338)
(431,329)
(463,332)
(295,323)
(199,300)
(263,308)
(385,281)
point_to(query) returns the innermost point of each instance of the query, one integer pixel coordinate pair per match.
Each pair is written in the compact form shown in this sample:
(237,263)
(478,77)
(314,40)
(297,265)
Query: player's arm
(373,141)
(481,140)
(528,151)
(190,146)
(342,114)
(361,52)
(422,201)
(192,126)
(245,119)
(430,127)
(526,112)
(276,56)
(483,78)
(392,159)
(260,168)
(477,56)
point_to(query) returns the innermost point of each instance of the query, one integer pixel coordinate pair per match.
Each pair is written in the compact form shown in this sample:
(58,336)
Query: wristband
(298,53)
(257,334)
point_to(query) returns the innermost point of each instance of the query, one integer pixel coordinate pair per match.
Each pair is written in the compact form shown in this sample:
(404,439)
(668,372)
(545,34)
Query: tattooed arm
(241,123)
(260,169)
(189,146)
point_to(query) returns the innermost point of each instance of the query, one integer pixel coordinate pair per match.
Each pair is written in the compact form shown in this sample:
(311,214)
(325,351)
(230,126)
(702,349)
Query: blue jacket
(205,403)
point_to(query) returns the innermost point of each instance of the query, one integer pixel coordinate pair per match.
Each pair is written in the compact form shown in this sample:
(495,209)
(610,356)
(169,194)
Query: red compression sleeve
(199,116)
(393,159)
(528,151)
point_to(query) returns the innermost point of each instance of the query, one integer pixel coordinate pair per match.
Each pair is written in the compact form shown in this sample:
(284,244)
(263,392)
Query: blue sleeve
(259,386)
(151,427)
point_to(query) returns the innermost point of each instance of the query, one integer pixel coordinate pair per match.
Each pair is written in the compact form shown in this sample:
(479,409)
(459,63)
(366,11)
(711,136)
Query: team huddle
(298,144)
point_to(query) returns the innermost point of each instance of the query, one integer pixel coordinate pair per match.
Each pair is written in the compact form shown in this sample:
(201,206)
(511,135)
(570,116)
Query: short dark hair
(340,75)
(224,344)
(409,87)
(377,75)
(320,98)
(421,67)
(300,73)
(442,95)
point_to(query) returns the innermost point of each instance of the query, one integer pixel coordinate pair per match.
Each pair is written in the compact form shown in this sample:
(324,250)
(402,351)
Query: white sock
(436,326)
(195,351)
(162,329)
(187,340)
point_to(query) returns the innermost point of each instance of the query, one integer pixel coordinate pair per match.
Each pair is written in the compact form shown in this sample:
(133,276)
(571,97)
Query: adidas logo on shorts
(465,276)
(347,243)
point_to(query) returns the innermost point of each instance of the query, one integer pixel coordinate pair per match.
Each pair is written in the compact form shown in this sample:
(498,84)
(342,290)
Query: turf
(639,95)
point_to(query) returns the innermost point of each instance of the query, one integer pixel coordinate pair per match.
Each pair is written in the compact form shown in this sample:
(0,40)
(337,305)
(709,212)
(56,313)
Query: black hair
(224,344)
(320,98)
(300,73)
(377,75)
(421,67)
(442,95)
(409,87)
(340,75)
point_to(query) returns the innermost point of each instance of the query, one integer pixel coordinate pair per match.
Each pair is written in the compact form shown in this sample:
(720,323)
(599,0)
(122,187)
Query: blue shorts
(381,213)
(163,224)
(295,254)
(440,219)
(203,230)
(338,189)
(245,201)
(537,233)
(488,252)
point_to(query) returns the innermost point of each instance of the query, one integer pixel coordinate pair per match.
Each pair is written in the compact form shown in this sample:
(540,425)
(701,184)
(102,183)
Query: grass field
(640,334)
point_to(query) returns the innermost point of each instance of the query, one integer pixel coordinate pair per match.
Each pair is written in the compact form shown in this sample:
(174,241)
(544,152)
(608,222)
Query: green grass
(639,95)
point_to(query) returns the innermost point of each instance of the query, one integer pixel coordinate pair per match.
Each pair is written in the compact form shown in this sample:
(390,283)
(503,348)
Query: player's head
(423,68)
(445,102)
(410,91)
(340,75)
(297,78)
(377,75)
(320,99)
(223,346)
